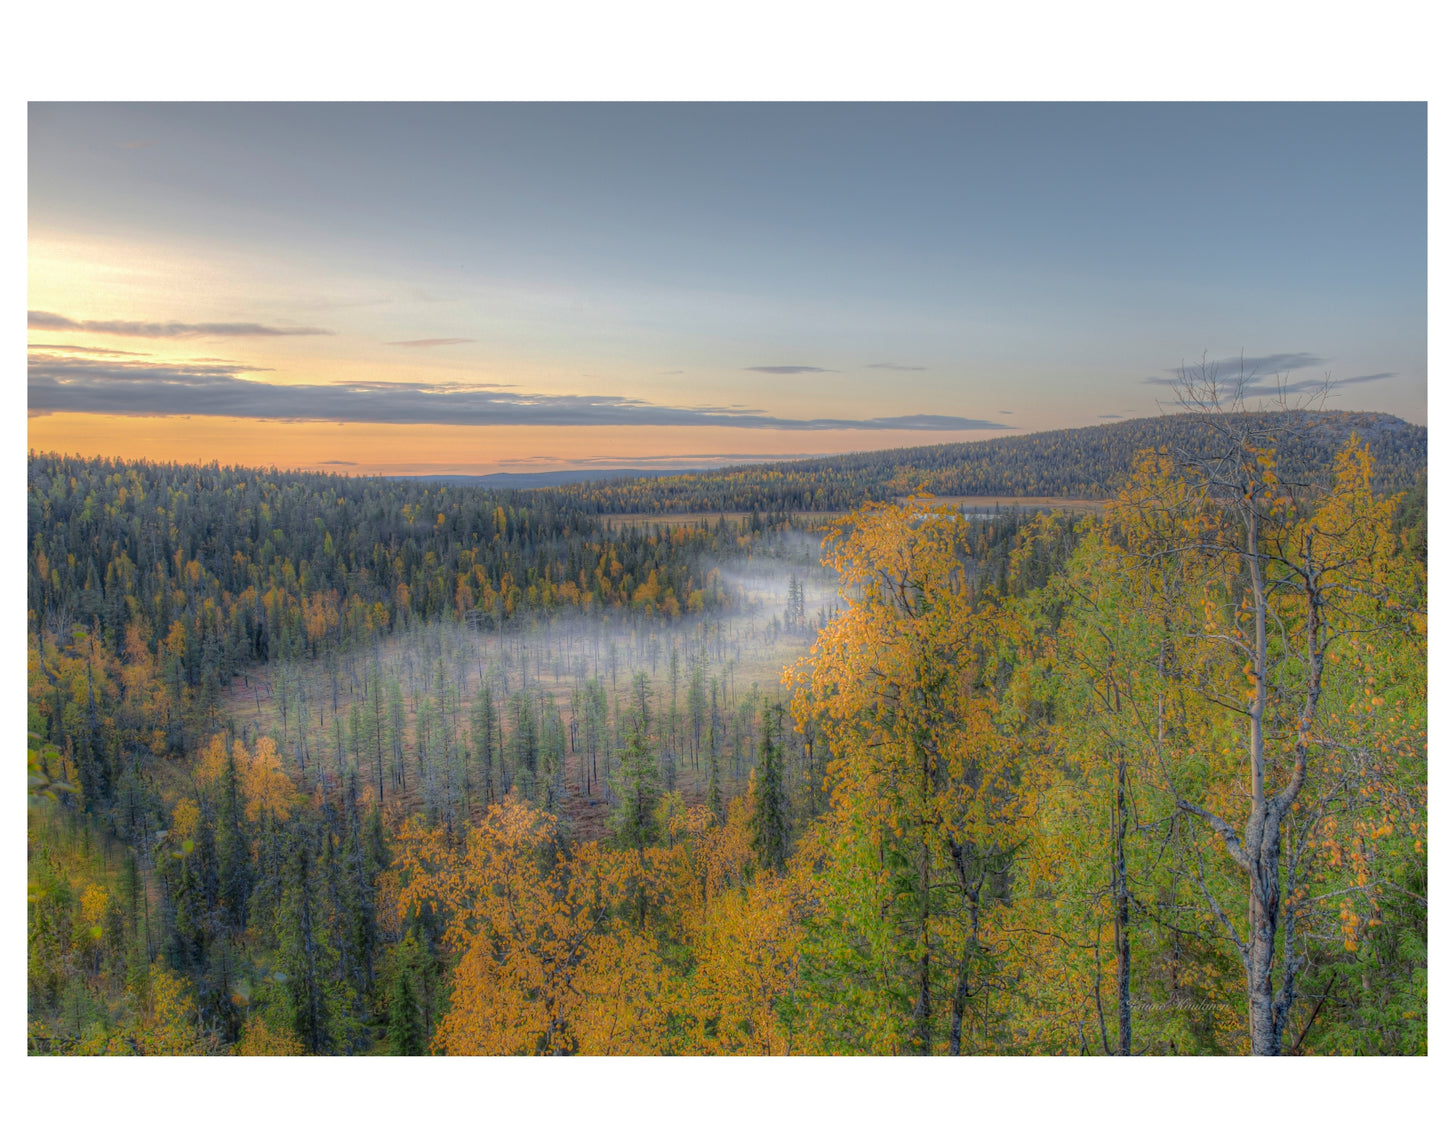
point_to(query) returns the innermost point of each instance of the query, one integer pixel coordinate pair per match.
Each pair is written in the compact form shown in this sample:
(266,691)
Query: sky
(463,288)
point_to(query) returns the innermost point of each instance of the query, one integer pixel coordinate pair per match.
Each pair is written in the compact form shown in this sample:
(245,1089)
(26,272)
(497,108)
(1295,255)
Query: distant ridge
(536,480)
(1078,462)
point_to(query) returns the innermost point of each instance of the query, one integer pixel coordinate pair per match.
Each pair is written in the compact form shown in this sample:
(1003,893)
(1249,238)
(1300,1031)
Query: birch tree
(1286,577)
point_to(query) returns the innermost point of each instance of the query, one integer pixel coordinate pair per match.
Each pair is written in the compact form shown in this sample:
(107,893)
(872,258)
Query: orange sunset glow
(369,448)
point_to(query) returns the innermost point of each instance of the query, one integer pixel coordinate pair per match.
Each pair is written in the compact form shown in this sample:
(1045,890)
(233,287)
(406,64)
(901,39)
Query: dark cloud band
(1276,384)
(83,384)
(1271,363)
(85,349)
(1247,368)
(40,319)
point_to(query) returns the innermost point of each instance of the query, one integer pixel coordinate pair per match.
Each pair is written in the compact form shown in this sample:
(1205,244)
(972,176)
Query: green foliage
(935,859)
(770,817)
(406,1025)
(638,785)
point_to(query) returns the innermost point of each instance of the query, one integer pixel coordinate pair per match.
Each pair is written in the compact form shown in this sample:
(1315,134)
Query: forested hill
(1082,462)
(211,568)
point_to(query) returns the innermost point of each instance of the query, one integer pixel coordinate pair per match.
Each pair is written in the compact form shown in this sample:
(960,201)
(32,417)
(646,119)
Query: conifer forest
(1108,741)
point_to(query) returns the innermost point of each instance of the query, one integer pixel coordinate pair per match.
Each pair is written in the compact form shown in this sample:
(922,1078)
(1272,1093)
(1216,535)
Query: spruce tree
(301,948)
(406,1029)
(637,784)
(770,820)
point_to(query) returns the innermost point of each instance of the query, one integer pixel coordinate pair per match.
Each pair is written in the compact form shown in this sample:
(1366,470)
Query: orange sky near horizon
(387,448)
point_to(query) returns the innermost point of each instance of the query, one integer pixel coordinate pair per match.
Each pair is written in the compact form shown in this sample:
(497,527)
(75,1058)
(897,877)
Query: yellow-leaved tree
(926,795)
(1265,595)
(549,961)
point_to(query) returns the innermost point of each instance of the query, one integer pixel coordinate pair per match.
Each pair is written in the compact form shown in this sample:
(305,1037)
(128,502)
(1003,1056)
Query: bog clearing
(446,718)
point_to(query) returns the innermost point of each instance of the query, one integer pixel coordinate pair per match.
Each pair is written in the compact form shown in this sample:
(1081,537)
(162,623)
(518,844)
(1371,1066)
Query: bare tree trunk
(1121,912)
(923,1010)
(1258,854)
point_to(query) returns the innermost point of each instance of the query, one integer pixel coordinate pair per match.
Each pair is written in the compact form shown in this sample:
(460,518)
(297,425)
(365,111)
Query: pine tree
(714,785)
(396,723)
(405,1028)
(638,787)
(236,877)
(301,949)
(770,820)
(484,741)
(522,744)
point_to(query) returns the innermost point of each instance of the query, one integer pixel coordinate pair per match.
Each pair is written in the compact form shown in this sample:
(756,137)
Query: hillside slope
(1083,462)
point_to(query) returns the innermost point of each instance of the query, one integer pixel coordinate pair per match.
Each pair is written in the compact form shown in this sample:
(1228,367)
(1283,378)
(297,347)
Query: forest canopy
(351,766)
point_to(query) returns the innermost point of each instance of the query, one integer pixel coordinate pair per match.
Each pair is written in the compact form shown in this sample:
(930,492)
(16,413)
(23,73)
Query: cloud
(787,370)
(1110,417)
(67,371)
(1230,368)
(40,319)
(337,462)
(86,349)
(1004,412)
(1243,370)
(1276,383)
(1273,363)
(428,342)
(893,367)
(1368,378)
(83,384)
(1323,383)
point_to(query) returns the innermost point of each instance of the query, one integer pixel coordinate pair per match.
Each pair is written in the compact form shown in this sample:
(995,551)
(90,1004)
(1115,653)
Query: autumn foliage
(1154,782)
